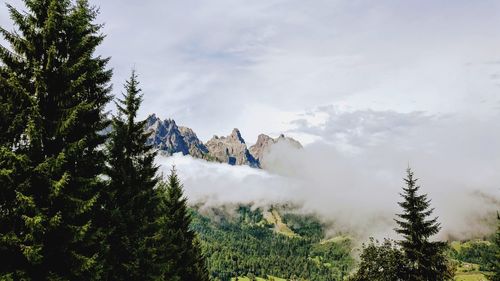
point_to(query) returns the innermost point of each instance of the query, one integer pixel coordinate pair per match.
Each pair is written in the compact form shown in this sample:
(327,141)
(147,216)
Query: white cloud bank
(218,184)
(353,176)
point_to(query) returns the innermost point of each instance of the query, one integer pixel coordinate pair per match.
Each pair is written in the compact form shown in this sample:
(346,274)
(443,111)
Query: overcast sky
(267,66)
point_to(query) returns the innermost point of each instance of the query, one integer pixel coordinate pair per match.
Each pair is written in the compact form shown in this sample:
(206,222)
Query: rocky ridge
(170,138)
(231,149)
(265,142)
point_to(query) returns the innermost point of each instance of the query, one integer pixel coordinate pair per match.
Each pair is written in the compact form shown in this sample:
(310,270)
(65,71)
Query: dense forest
(240,241)
(81,197)
(245,244)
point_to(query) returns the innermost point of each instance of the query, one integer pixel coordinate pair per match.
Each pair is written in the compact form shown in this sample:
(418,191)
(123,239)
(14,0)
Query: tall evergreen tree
(426,260)
(51,160)
(178,246)
(131,201)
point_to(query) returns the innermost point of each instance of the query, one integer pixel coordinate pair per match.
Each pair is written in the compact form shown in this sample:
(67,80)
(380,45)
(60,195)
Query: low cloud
(217,184)
(356,189)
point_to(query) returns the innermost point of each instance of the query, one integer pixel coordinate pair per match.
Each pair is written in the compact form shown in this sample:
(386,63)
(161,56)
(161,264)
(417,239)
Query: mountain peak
(265,142)
(169,138)
(235,134)
(231,149)
(262,138)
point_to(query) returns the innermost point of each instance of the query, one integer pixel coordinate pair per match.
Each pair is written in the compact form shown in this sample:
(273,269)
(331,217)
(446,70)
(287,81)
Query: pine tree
(50,159)
(131,201)
(178,245)
(426,260)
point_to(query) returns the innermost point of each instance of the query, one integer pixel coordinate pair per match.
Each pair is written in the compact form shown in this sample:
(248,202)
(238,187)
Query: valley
(249,243)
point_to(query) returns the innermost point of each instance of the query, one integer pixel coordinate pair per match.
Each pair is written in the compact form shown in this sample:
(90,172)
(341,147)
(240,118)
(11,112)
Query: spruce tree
(426,259)
(178,247)
(14,166)
(131,201)
(51,158)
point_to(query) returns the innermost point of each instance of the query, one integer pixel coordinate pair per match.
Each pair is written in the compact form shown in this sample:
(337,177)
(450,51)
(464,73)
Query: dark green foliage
(14,168)
(477,252)
(333,254)
(305,225)
(13,109)
(245,246)
(130,199)
(248,216)
(177,244)
(426,260)
(53,94)
(381,262)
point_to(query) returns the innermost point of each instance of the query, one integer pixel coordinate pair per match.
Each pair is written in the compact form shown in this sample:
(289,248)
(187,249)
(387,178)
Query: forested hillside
(246,244)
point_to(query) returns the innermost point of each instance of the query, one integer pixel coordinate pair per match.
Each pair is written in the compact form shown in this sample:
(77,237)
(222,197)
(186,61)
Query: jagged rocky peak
(152,122)
(170,138)
(151,119)
(265,142)
(231,149)
(236,135)
(195,146)
(262,139)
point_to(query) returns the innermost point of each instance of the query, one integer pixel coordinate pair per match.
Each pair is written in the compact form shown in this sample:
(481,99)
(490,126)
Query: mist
(352,178)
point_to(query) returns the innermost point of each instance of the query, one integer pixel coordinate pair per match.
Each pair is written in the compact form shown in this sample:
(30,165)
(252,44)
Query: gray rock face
(231,149)
(195,147)
(169,139)
(265,142)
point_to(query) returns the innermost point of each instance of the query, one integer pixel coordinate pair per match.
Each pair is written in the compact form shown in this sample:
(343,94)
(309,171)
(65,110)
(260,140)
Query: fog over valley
(352,177)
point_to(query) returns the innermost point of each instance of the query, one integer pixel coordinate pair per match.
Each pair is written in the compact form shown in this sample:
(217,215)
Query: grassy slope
(470,276)
(469,272)
(274,218)
(458,245)
(259,279)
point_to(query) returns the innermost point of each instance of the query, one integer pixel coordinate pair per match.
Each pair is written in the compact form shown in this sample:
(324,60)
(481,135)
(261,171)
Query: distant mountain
(170,138)
(231,149)
(265,142)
